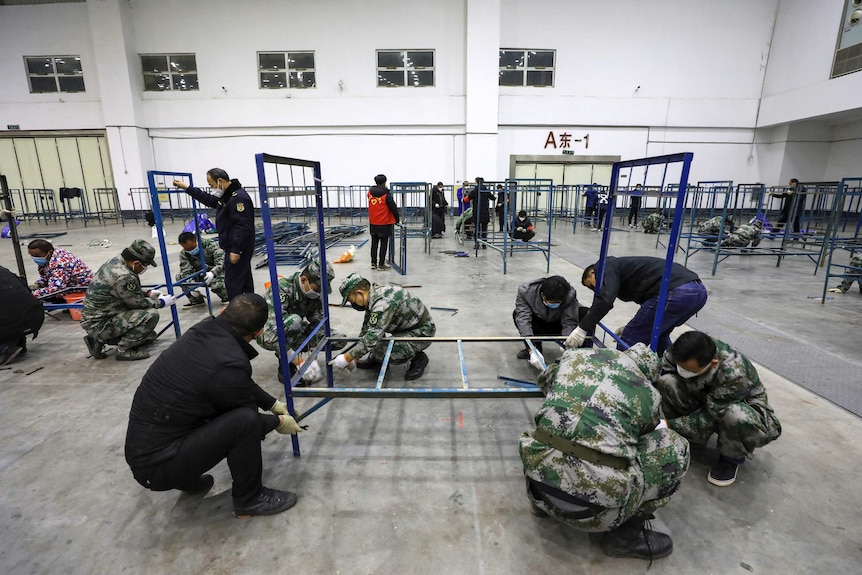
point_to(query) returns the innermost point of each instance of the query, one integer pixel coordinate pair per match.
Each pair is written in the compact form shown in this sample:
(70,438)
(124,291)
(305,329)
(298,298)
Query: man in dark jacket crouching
(197,405)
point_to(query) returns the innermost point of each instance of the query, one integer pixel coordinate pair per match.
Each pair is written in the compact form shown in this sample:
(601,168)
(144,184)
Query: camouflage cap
(646,360)
(349,284)
(312,272)
(144,252)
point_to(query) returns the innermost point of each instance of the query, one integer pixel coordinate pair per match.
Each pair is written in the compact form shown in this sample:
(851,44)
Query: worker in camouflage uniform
(851,275)
(712,226)
(302,310)
(190,262)
(388,310)
(596,460)
(653,222)
(117,310)
(708,387)
(744,235)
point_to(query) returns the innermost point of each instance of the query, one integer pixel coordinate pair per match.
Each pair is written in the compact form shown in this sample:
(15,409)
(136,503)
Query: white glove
(619,331)
(288,425)
(436,205)
(167,300)
(835,290)
(279,408)
(208,278)
(662,424)
(537,361)
(340,362)
(576,338)
(154,294)
(313,372)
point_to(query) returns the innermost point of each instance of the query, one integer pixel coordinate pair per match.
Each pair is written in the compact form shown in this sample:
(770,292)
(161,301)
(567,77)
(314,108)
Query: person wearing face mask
(190,262)
(522,227)
(546,306)
(117,310)
(59,269)
(708,387)
(388,310)
(302,311)
(638,279)
(439,205)
(235,225)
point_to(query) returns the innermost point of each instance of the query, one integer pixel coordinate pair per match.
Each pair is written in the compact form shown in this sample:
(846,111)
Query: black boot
(417,366)
(634,539)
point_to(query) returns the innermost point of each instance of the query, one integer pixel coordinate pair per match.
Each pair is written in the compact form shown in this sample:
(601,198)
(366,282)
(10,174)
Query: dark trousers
(235,435)
(482,230)
(380,239)
(682,303)
(633,209)
(590,214)
(440,213)
(785,215)
(501,218)
(237,277)
(603,208)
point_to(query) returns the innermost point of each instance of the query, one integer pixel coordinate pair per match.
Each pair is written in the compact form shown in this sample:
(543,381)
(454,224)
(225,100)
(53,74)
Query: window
(526,67)
(400,68)
(54,74)
(286,69)
(169,72)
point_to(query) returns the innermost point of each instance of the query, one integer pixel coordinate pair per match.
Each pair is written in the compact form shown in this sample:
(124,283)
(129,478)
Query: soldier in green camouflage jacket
(117,310)
(743,235)
(708,387)
(190,262)
(653,222)
(851,274)
(388,310)
(596,460)
(712,226)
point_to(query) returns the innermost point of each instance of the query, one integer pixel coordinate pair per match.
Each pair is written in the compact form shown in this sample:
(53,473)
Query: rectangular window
(526,67)
(54,74)
(405,68)
(164,72)
(286,69)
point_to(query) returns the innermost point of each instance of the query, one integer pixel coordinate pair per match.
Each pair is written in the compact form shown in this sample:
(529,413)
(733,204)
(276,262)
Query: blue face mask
(40,261)
(552,305)
(195,251)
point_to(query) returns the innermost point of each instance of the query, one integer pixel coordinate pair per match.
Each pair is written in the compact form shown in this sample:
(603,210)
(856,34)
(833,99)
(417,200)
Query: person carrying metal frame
(638,279)
(190,262)
(389,310)
(600,459)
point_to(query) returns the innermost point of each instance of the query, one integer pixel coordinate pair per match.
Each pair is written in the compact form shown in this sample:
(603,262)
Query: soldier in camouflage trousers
(190,262)
(708,387)
(302,310)
(117,310)
(744,235)
(388,310)
(712,226)
(851,274)
(653,222)
(596,460)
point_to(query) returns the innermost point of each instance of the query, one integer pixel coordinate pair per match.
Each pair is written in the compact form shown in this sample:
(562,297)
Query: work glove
(619,331)
(279,408)
(208,278)
(154,294)
(288,425)
(340,362)
(576,338)
(436,205)
(662,424)
(520,229)
(167,300)
(835,290)
(313,372)
(537,361)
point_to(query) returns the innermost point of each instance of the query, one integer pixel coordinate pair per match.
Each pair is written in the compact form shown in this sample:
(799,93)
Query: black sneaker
(194,303)
(268,502)
(724,473)
(383,267)
(201,487)
(417,366)
(373,267)
(95,347)
(524,354)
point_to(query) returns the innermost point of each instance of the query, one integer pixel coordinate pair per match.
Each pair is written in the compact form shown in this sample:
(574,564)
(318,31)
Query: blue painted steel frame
(679,210)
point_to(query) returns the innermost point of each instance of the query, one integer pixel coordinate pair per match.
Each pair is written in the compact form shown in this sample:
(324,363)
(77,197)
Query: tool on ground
(454,310)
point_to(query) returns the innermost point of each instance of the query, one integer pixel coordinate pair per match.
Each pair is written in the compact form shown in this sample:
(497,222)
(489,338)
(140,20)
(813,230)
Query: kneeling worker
(546,306)
(388,310)
(117,310)
(708,387)
(197,405)
(190,262)
(596,460)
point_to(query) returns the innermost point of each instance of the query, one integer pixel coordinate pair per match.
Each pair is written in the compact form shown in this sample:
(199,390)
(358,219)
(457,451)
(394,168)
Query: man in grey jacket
(546,306)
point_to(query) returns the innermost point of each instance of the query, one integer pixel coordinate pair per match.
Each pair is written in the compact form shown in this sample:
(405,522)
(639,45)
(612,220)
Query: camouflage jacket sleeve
(214,257)
(377,318)
(186,266)
(129,291)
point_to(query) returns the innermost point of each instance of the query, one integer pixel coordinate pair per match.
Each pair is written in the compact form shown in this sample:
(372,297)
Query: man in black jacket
(20,312)
(235,225)
(197,405)
(481,198)
(638,279)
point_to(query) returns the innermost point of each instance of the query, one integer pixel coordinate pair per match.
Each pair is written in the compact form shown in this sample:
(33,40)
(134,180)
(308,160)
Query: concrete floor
(421,486)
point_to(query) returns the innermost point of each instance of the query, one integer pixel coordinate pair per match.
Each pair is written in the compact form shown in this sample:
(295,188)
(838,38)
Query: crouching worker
(708,387)
(596,460)
(197,404)
(388,310)
(190,262)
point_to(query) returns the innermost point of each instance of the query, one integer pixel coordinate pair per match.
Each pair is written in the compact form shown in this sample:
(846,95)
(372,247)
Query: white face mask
(686,374)
(521,219)
(217,192)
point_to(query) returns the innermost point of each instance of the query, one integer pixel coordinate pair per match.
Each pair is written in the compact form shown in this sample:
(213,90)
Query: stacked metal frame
(843,232)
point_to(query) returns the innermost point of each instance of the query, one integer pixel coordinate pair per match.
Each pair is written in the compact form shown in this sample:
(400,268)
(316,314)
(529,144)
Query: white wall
(845,152)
